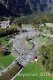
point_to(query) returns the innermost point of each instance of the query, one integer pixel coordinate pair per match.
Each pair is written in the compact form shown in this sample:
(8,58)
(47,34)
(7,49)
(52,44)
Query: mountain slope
(27,6)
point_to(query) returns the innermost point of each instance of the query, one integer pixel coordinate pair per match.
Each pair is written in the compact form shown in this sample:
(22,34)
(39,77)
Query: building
(4,24)
(35,58)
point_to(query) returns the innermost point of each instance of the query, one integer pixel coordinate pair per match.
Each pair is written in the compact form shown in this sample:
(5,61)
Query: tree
(47,57)
(20,25)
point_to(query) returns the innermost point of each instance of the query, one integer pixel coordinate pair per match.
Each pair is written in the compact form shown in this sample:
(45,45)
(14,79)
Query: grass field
(46,26)
(3,41)
(42,40)
(33,68)
(6,60)
(49,24)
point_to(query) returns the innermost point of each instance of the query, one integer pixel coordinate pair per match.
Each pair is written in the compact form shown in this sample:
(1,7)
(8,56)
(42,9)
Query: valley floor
(25,47)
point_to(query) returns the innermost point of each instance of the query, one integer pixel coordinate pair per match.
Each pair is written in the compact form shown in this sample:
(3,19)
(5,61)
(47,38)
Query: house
(4,24)
(35,58)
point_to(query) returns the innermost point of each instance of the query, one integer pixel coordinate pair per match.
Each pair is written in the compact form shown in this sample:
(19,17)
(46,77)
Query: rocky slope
(15,7)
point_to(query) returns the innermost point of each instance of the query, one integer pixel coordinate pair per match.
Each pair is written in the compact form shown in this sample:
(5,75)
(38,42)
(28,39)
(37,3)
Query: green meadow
(6,61)
(33,71)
